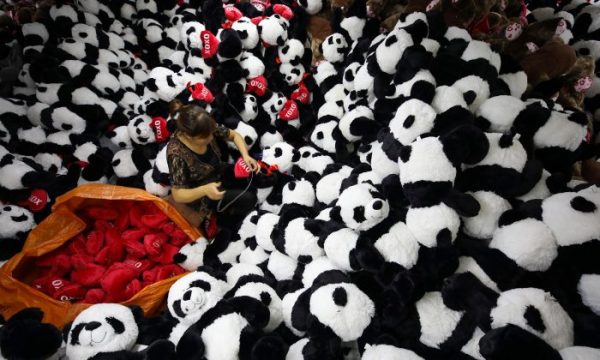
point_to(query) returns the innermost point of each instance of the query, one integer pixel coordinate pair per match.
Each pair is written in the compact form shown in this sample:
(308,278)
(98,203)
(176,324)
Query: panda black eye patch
(190,30)
(534,319)
(359,214)
(75,334)
(170,81)
(177,309)
(116,324)
(200,284)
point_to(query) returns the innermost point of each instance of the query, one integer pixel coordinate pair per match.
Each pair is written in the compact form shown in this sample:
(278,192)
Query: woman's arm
(239,142)
(182,195)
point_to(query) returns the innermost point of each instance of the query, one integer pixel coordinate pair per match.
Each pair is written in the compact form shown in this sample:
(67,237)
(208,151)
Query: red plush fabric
(135,249)
(154,221)
(133,234)
(123,249)
(166,255)
(102,213)
(69,292)
(88,275)
(115,282)
(94,296)
(95,242)
(135,216)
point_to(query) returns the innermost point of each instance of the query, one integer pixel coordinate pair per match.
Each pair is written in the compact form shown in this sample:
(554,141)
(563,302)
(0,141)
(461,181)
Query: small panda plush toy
(108,331)
(360,207)
(25,336)
(16,224)
(231,330)
(191,296)
(324,311)
(260,288)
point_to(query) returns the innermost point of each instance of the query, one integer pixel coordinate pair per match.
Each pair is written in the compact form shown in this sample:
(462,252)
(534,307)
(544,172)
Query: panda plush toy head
(192,295)
(247,31)
(140,130)
(281,154)
(333,306)
(334,48)
(360,207)
(273,30)
(101,329)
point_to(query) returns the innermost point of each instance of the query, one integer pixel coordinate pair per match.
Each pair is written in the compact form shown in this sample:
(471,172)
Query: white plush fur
(281,266)
(347,322)
(501,111)
(399,246)
(424,117)
(484,224)
(568,225)
(264,228)
(239,270)
(511,306)
(589,289)
(559,131)
(528,242)
(427,162)
(338,246)
(426,223)
(299,241)
(388,352)
(437,320)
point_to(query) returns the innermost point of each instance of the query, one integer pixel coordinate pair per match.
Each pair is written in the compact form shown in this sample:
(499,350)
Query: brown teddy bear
(576,82)
(549,62)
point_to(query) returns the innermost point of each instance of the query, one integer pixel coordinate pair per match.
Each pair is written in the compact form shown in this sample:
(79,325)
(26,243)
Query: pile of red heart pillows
(126,246)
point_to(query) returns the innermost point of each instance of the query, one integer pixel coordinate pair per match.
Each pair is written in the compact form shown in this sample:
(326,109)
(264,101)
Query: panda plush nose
(377,205)
(92,325)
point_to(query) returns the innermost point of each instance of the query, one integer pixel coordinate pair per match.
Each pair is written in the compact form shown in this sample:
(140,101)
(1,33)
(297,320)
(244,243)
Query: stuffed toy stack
(427,202)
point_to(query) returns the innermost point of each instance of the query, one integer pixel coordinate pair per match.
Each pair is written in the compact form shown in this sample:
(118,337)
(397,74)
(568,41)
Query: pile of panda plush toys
(423,207)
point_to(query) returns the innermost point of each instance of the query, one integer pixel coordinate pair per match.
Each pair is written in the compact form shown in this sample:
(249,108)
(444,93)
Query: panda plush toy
(428,170)
(262,289)
(108,331)
(191,296)
(330,311)
(17,223)
(232,329)
(25,336)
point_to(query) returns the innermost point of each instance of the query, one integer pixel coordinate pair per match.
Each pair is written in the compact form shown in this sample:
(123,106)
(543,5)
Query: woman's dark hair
(191,119)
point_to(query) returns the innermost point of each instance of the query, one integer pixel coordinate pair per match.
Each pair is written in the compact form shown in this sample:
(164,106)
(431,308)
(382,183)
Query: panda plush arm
(512,342)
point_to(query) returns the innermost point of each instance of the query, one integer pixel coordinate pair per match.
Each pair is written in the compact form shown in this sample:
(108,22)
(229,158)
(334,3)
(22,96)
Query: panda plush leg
(512,342)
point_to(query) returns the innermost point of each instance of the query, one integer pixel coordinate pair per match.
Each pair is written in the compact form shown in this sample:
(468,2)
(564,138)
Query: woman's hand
(212,191)
(253,164)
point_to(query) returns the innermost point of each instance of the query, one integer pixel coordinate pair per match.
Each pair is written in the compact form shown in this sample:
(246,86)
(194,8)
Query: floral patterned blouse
(187,170)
